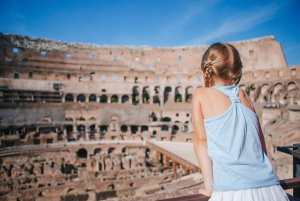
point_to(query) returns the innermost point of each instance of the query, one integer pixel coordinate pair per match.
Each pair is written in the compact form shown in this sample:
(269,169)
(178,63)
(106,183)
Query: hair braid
(208,74)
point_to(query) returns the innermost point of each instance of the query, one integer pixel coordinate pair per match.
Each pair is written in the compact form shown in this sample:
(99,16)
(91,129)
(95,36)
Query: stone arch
(92,98)
(175,129)
(144,128)
(97,151)
(124,128)
(114,99)
(156,99)
(165,127)
(81,128)
(157,89)
(277,93)
(103,129)
(69,98)
(81,98)
(167,93)
(103,99)
(134,129)
(243,87)
(125,99)
(135,95)
(253,92)
(264,93)
(111,187)
(146,95)
(189,94)
(154,117)
(178,94)
(69,119)
(82,153)
(111,150)
(293,92)
(80,119)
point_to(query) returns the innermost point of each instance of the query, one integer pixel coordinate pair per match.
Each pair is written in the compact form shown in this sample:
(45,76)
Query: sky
(156,22)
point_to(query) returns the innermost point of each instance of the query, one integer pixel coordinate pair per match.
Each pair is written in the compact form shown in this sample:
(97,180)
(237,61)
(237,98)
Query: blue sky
(155,22)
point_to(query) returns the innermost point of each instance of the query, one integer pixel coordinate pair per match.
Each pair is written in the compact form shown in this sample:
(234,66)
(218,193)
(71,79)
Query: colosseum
(89,122)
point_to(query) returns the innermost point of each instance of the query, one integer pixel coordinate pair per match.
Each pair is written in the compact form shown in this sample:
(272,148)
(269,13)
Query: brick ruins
(74,118)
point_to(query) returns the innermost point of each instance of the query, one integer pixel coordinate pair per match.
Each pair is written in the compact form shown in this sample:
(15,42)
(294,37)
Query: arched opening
(277,95)
(124,128)
(154,118)
(125,99)
(157,90)
(100,166)
(81,153)
(111,187)
(69,98)
(147,153)
(167,92)
(92,98)
(178,94)
(135,95)
(97,151)
(81,98)
(264,93)
(80,119)
(156,99)
(103,99)
(134,129)
(111,150)
(165,127)
(114,99)
(69,129)
(175,128)
(92,131)
(124,150)
(69,119)
(144,128)
(189,94)
(178,98)
(103,129)
(146,96)
(81,129)
(243,87)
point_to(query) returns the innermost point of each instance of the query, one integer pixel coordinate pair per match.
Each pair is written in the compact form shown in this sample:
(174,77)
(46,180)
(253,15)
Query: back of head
(222,61)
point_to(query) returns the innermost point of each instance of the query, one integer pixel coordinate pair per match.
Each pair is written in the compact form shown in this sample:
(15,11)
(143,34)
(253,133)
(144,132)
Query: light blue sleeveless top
(235,149)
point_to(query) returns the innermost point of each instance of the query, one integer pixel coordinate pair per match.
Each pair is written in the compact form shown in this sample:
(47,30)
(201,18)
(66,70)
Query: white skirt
(270,193)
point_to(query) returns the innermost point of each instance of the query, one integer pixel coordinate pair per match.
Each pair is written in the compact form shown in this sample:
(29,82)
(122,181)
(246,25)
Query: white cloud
(238,23)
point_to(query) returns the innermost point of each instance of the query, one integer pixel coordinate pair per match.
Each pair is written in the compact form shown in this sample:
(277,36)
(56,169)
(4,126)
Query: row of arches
(282,93)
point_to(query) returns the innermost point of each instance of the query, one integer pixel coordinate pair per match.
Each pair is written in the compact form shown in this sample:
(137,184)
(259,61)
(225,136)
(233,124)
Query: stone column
(166,161)
(174,166)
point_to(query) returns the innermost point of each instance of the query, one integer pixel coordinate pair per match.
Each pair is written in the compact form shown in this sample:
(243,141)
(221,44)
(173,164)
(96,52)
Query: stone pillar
(157,156)
(161,99)
(119,99)
(174,166)
(166,161)
(139,129)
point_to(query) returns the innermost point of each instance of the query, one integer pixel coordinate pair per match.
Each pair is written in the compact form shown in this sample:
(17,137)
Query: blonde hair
(221,60)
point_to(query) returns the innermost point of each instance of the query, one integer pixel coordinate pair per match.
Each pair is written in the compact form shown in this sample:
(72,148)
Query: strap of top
(231,91)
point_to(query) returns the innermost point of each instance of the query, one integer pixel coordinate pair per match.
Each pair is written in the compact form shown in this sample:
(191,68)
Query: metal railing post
(296,170)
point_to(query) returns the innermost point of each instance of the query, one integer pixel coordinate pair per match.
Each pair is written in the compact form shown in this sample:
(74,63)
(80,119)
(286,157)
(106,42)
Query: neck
(219,82)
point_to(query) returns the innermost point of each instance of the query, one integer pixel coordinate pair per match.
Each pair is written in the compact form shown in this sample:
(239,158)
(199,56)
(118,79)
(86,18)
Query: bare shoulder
(200,93)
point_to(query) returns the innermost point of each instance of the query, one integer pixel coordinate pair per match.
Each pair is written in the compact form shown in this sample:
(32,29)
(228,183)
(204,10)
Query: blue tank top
(234,147)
